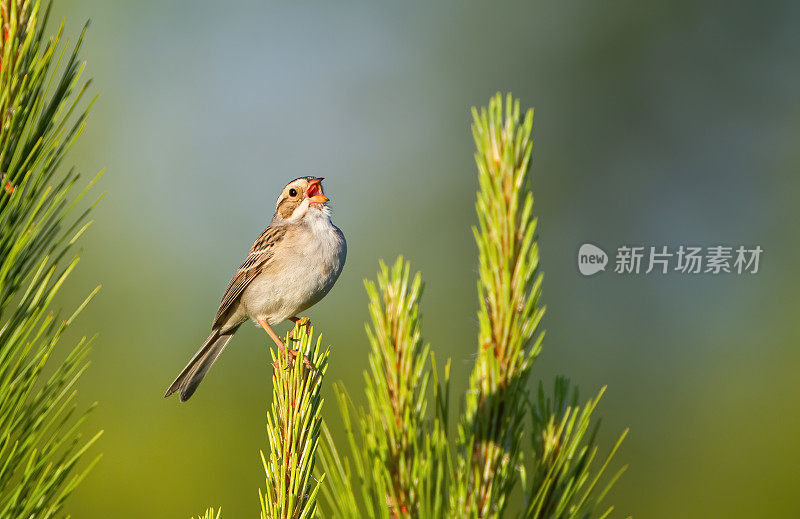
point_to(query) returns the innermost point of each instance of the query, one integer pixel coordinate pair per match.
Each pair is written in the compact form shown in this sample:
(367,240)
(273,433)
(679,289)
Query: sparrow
(291,266)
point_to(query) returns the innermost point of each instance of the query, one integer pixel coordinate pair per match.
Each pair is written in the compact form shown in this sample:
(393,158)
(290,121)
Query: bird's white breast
(304,268)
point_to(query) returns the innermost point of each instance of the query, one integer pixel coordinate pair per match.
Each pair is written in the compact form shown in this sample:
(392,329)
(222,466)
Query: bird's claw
(291,355)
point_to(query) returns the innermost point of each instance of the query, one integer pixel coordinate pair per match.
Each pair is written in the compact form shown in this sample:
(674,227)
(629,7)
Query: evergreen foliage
(401,460)
(42,113)
(401,464)
(562,480)
(509,286)
(293,429)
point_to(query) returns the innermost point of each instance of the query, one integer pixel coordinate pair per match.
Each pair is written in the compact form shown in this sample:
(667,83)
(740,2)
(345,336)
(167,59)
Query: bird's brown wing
(260,253)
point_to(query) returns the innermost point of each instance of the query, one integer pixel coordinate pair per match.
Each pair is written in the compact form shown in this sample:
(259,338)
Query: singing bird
(291,266)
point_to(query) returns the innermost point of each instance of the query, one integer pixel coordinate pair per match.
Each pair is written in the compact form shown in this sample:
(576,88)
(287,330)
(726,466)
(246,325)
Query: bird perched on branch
(291,266)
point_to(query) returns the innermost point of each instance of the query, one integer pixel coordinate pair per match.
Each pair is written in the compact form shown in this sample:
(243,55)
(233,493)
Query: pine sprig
(395,386)
(398,452)
(564,480)
(41,116)
(509,286)
(293,429)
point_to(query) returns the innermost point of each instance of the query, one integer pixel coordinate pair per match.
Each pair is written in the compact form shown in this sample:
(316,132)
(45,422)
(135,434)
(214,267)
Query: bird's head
(300,196)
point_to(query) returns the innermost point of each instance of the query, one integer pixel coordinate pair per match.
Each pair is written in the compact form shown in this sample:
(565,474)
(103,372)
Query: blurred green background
(656,124)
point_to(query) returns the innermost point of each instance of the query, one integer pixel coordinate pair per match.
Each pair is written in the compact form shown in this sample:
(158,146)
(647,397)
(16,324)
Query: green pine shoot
(293,429)
(42,113)
(400,455)
(509,286)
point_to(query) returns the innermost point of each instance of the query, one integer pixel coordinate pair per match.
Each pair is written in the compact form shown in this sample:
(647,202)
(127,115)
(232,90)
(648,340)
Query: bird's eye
(293,192)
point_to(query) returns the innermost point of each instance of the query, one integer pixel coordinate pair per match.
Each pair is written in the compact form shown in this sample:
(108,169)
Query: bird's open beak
(314,192)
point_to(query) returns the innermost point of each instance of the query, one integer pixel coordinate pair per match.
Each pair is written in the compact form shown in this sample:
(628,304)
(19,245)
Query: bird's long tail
(196,369)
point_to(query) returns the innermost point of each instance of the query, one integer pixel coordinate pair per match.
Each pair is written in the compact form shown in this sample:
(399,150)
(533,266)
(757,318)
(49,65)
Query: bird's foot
(291,355)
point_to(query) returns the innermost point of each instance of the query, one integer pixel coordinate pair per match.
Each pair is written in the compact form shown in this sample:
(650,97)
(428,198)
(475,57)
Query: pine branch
(508,289)
(293,428)
(398,453)
(40,444)
(564,478)
(395,386)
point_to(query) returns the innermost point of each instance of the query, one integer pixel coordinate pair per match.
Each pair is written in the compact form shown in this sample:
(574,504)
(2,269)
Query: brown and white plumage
(261,252)
(291,266)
